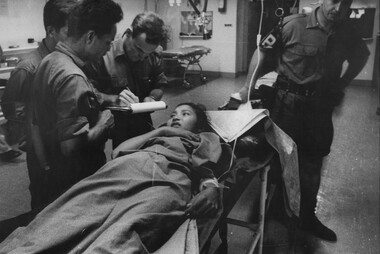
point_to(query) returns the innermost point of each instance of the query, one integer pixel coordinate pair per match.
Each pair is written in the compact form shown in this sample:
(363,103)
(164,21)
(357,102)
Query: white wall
(223,42)
(130,9)
(22,21)
(25,20)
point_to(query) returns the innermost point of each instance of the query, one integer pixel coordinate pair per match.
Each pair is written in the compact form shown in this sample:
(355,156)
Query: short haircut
(151,24)
(203,123)
(56,13)
(97,15)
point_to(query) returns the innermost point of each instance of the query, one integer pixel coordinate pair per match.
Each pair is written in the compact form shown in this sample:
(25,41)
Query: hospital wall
(20,20)
(222,59)
(23,19)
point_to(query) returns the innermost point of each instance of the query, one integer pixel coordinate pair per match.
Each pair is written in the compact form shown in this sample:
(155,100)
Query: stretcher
(187,56)
(254,151)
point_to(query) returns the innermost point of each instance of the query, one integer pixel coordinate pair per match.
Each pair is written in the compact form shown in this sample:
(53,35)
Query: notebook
(231,124)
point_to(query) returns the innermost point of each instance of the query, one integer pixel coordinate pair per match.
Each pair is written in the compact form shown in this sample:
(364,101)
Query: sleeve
(271,47)
(272,40)
(74,106)
(16,94)
(158,76)
(357,49)
(20,83)
(97,73)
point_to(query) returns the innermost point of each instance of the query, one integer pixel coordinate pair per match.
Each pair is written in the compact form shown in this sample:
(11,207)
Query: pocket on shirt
(119,82)
(303,60)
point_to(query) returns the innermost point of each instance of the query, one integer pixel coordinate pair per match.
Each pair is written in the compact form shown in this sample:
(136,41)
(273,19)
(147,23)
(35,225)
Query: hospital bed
(186,57)
(255,148)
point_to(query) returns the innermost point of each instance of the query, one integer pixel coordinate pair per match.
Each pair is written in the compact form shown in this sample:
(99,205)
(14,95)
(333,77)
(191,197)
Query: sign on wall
(362,19)
(196,25)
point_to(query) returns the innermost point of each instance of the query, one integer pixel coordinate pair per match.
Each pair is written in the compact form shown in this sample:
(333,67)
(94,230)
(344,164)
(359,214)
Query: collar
(67,50)
(118,47)
(312,21)
(42,49)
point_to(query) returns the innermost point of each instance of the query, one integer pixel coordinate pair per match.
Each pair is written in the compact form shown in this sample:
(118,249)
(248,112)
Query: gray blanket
(131,205)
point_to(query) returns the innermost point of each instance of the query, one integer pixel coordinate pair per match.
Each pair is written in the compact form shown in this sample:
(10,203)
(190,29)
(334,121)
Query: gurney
(250,161)
(186,235)
(187,56)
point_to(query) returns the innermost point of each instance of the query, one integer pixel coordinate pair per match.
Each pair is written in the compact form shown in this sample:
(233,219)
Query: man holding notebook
(133,70)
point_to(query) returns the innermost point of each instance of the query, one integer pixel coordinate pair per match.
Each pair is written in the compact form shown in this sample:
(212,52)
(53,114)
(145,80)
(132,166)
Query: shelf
(6,69)
(191,36)
(19,50)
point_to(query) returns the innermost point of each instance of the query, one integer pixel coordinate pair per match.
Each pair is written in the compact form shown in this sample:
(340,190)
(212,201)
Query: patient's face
(183,117)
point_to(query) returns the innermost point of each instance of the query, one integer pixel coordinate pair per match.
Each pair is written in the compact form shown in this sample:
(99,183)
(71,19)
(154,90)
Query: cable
(294,5)
(231,161)
(258,39)
(194,7)
(205,6)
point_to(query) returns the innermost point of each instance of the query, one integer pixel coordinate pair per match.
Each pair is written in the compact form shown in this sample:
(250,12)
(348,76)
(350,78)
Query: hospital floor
(348,197)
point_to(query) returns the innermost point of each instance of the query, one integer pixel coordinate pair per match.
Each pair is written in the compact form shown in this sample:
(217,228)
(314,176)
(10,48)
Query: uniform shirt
(16,92)
(308,53)
(117,71)
(63,107)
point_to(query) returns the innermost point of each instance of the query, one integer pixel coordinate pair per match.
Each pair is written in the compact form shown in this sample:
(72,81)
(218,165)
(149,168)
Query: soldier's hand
(126,97)
(106,118)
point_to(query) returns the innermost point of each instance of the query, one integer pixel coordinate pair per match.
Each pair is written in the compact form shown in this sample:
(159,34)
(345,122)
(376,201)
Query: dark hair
(200,111)
(97,15)
(56,13)
(151,24)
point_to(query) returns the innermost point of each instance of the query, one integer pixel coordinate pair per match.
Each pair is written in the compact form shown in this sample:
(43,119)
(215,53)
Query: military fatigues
(309,65)
(117,72)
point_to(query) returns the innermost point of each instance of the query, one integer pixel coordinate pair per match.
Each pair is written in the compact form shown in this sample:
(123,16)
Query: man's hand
(106,119)
(126,97)
(149,99)
(205,204)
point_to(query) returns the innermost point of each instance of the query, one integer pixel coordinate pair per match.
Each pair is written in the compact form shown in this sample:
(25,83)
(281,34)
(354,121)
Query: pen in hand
(126,97)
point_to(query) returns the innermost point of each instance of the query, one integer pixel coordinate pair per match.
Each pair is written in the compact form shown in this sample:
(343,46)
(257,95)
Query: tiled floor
(349,194)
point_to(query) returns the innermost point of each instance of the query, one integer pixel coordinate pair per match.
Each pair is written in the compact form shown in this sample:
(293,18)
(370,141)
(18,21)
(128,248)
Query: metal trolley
(187,56)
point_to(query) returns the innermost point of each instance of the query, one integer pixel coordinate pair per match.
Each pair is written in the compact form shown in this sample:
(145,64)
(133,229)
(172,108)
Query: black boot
(315,226)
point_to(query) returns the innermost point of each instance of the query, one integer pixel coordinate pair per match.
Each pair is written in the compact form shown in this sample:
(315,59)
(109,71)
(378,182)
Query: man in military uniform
(310,50)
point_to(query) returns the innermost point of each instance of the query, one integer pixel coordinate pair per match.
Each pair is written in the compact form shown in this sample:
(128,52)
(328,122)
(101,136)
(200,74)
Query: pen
(136,99)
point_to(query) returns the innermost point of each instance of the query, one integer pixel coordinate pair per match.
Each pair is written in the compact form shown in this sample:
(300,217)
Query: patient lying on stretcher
(136,201)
